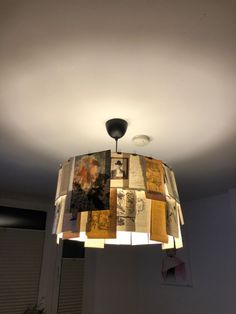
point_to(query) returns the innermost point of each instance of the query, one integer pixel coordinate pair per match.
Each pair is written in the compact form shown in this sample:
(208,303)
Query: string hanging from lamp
(117,198)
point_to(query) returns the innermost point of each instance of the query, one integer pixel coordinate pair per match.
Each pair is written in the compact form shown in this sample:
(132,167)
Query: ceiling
(168,67)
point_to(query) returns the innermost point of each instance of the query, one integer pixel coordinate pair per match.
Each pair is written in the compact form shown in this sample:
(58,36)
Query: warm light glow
(81,238)
(59,236)
(94,243)
(139,238)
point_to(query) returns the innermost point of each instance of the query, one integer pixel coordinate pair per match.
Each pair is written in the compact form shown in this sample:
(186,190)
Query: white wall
(126,280)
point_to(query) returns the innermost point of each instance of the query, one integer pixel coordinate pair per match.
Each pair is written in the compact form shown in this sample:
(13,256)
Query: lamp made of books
(118,198)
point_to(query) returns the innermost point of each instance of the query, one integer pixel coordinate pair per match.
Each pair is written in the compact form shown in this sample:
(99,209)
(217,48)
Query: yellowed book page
(101,224)
(56,216)
(119,170)
(172,217)
(174,186)
(58,184)
(60,204)
(181,217)
(65,177)
(126,224)
(70,186)
(169,245)
(155,188)
(126,202)
(136,172)
(170,183)
(179,241)
(143,212)
(83,221)
(158,222)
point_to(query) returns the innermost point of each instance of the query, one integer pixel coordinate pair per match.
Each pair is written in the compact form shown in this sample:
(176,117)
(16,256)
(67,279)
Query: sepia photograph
(119,168)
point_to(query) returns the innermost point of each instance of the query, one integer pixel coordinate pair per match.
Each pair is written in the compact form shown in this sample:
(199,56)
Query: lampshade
(108,198)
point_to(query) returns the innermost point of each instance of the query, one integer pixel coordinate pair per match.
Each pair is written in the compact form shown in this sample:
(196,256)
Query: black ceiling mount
(116,128)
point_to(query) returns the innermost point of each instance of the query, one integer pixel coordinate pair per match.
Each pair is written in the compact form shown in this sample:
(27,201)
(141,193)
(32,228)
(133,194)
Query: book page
(181,217)
(71,224)
(58,184)
(169,245)
(70,186)
(158,222)
(59,213)
(136,173)
(126,212)
(179,240)
(56,216)
(174,186)
(154,177)
(172,217)
(65,177)
(66,225)
(83,221)
(170,183)
(101,224)
(143,212)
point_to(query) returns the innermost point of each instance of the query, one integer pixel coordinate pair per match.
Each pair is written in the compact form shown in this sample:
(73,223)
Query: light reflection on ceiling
(168,70)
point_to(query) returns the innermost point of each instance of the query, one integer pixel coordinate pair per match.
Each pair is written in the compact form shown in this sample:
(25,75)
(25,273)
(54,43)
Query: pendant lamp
(106,198)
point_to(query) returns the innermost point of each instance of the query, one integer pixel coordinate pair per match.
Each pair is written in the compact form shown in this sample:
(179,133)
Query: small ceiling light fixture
(118,198)
(141,140)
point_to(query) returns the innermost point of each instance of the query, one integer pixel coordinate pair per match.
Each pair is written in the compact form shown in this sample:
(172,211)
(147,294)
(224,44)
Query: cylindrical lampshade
(117,198)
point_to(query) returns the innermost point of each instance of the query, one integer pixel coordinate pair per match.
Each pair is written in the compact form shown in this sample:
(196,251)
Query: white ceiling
(168,67)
